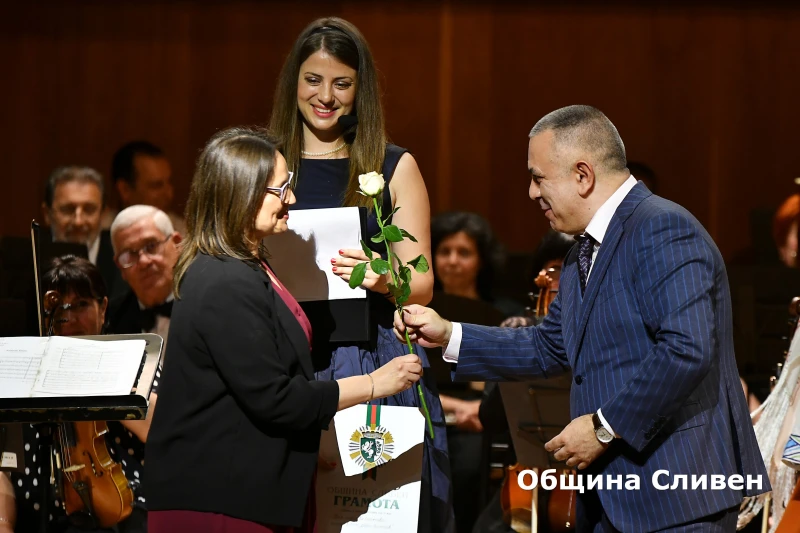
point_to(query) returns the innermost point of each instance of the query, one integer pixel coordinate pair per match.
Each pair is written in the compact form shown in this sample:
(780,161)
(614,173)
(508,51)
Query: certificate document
(301,257)
(375,485)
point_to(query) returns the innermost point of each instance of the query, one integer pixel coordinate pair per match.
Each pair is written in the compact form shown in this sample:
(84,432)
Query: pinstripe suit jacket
(650,342)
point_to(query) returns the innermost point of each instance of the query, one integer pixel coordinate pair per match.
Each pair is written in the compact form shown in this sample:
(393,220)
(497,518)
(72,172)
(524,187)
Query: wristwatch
(600,431)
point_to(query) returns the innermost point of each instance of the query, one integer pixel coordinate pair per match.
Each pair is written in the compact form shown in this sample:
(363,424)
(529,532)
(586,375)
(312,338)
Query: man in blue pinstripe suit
(643,319)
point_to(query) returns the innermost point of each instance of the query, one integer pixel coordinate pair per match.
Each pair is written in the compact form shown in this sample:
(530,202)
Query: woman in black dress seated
(82,311)
(234,444)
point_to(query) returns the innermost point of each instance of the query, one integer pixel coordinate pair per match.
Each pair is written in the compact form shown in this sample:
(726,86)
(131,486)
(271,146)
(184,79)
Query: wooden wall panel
(706,94)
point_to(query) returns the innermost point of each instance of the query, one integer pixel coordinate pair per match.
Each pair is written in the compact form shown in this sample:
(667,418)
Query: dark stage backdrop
(705,94)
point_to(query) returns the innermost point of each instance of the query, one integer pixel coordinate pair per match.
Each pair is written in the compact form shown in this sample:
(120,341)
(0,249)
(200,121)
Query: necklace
(329,152)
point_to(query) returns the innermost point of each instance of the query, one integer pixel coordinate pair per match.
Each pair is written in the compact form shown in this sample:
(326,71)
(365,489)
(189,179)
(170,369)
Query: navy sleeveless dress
(321,183)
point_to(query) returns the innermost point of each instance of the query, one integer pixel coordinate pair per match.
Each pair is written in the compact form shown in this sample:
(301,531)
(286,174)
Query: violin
(91,484)
(518,503)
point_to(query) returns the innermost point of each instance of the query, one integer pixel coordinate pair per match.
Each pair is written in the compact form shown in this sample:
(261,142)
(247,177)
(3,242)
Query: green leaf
(377,238)
(392,233)
(379,266)
(396,292)
(366,249)
(405,274)
(420,264)
(357,277)
(405,294)
(408,236)
(390,215)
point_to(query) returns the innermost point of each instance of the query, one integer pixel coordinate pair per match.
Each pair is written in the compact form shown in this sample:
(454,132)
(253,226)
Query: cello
(517,503)
(91,484)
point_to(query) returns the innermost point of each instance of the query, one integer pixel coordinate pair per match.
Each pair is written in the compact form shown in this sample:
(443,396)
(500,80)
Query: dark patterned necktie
(585,249)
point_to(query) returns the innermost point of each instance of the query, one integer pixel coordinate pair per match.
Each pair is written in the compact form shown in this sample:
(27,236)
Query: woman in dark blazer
(234,443)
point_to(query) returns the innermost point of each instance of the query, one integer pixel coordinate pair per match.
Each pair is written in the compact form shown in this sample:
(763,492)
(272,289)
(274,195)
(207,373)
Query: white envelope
(301,257)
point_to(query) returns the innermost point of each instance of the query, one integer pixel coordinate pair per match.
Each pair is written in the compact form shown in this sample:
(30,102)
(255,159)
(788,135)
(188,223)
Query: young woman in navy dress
(330,74)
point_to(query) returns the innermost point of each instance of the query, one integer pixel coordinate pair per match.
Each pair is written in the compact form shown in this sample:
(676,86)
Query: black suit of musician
(126,315)
(235,440)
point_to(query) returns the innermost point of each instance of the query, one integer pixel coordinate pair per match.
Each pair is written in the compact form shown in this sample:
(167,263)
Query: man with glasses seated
(145,251)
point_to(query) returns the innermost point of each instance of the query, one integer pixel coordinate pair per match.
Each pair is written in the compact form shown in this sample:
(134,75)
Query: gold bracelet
(371,394)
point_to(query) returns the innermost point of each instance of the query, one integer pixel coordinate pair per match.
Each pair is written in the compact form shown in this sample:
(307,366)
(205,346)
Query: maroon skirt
(203,522)
(198,522)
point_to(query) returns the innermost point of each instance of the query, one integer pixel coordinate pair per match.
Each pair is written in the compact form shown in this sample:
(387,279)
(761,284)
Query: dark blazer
(651,344)
(124,313)
(239,414)
(108,268)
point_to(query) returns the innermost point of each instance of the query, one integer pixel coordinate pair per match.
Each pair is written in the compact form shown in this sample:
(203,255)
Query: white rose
(371,183)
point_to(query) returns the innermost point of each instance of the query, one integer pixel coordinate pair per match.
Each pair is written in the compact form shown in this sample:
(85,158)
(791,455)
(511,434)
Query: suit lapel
(571,300)
(605,255)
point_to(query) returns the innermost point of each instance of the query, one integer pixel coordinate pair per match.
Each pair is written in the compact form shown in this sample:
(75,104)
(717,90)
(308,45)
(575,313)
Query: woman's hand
(8,504)
(397,375)
(517,322)
(343,267)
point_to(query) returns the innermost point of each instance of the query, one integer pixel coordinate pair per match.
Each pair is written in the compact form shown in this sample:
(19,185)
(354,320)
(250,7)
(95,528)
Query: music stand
(537,411)
(52,410)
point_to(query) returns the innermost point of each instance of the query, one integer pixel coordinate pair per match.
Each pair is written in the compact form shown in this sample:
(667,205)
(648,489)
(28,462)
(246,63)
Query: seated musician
(548,258)
(466,259)
(81,312)
(145,250)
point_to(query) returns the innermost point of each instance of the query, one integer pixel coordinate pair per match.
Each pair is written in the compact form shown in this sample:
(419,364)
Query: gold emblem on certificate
(371,445)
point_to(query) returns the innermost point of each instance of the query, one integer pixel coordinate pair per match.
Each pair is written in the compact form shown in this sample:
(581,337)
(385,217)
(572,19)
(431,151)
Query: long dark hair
(343,41)
(490,251)
(227,192)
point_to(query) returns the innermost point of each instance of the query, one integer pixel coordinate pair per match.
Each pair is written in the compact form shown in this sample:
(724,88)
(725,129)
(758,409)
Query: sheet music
(64,366)
(301,257)
(20,358)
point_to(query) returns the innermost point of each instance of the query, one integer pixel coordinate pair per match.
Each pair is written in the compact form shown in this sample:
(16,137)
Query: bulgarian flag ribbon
(373,421)
(373,416)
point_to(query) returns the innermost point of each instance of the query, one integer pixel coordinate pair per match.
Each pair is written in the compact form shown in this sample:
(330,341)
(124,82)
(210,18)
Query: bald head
(584,129)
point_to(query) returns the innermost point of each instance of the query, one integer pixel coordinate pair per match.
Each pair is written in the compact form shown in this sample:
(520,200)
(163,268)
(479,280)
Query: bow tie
(151,314)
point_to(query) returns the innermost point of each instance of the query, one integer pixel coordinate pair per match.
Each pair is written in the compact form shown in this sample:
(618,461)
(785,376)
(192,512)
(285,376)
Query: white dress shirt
(94,249)
(597,228)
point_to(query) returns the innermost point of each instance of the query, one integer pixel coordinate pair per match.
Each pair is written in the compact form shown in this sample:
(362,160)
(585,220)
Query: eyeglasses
(128,258)
(283,190)
(80,306)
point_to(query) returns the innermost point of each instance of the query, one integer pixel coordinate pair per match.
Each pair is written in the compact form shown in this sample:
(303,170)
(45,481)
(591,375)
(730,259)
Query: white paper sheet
(20,359)
(388,500)
(301,257)
(64,366)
